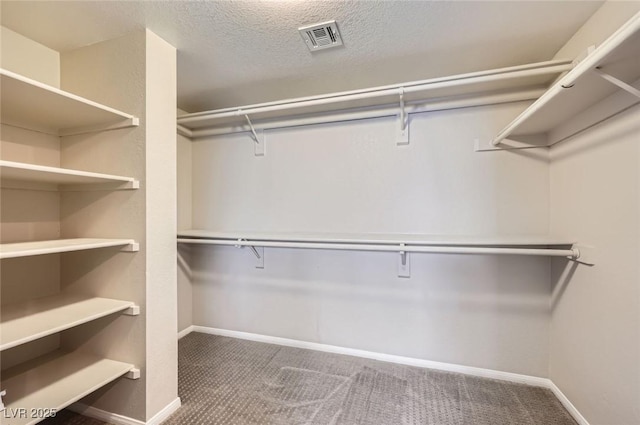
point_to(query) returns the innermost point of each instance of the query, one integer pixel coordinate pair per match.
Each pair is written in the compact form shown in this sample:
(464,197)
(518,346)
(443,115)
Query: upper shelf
(60,178)
(412,93)
(381,238)
(587,93)
(27,249)
(33,105)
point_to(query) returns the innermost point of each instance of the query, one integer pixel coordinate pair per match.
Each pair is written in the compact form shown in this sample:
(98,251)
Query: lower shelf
(54,382)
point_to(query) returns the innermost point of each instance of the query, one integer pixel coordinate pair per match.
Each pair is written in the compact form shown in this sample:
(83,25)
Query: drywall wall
(185,294)
(483,311)
(595,194)
(161,221)
(113,73)
(595,322)
(26,57)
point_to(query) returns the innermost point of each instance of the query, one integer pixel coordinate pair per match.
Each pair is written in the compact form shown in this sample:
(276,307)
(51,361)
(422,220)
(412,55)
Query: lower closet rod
(571,253)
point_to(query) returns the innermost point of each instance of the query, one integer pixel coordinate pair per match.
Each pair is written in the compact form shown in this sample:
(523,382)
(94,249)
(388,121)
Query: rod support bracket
(258,135)
(258,252)
(617,82)
(404,264)
(403,125)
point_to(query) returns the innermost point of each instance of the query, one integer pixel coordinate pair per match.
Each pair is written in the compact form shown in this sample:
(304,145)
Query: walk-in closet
(320,212)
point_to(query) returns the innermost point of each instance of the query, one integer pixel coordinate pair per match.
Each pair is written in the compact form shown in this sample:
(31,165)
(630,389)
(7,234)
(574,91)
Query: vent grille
(321,36)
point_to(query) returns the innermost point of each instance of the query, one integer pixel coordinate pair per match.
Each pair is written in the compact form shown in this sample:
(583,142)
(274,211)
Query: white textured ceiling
(243,52)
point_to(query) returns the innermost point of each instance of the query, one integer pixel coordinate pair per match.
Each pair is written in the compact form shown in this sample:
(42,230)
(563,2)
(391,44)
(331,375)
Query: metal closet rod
(550,252)
(522,71)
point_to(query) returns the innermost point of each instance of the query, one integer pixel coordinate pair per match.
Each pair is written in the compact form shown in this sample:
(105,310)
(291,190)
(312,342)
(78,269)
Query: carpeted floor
(231,381)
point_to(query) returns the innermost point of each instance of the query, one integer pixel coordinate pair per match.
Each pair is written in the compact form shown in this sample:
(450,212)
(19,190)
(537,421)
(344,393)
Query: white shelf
(380,238)
(575,96)
(27,321)
(55,382)
(26,249)
(30,104)
(14,173)
(378,101)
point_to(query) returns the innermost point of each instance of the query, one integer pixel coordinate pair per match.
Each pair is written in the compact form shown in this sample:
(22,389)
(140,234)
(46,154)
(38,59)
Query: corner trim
(116,419)
(186,331)
(573,411)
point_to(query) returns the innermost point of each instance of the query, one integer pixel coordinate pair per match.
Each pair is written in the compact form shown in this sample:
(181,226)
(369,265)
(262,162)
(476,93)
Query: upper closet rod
(571,253)
(530,70)
(590,63)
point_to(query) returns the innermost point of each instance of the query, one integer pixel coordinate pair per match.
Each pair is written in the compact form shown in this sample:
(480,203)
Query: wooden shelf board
(335,102)
(30,104)
(18,171)
(563,104)
(25,249)
(379,238)
(27,321)
(55,382)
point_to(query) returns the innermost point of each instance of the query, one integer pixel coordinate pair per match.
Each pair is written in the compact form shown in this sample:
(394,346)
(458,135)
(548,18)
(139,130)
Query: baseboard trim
(186,331)
(449,367)
(573,411)
(116,419)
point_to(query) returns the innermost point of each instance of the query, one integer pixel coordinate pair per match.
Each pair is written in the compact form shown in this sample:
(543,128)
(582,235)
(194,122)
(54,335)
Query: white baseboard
(449,367)
(186,331)
(567,404)
(115,419)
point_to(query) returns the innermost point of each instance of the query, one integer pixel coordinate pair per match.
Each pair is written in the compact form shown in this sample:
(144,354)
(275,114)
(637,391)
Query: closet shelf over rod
(392,243)
(36,106)
(498,81)
(604,84)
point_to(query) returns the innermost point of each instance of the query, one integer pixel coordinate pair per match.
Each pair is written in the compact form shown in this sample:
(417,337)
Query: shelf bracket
(134,310)
(616,81)
(134,373)
(403,125)
(132,247)
(404,264)
(258,251)
(258,135)
(2,394)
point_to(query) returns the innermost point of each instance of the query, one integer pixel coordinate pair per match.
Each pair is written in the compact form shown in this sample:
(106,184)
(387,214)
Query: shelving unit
(54,178)
(54,382)
(27,249)
(27,321)
(33,105)
(604,84)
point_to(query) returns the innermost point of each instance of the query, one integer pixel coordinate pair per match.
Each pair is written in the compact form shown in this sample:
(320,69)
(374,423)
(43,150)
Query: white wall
(595,195)
(595,322)
(26,57)
(483,311)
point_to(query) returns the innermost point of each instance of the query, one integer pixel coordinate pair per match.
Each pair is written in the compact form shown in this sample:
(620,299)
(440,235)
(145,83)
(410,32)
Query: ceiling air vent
(321,36)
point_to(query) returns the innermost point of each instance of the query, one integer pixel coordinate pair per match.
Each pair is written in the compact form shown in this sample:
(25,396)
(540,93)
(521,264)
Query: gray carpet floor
(231,381)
